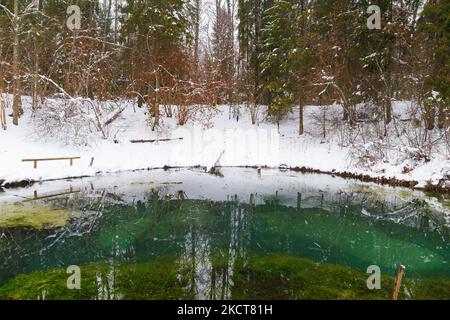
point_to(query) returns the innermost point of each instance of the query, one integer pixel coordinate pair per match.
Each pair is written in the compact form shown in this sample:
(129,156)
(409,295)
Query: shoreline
(380,180)
(224,143)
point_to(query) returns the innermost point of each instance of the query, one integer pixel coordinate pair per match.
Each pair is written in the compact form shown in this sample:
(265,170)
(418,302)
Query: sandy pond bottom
(187,234)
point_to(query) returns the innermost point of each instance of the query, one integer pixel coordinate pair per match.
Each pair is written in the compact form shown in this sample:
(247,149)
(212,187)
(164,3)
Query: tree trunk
(140,101)
(156,104)
(2,109)
(197,31)
(253,112)
(2,102)
(353,116)
(17,102)
(388,110)
(2,114)
(116,10)
(230,49)
(387,114)
(257,44)
(35,78)
(429,118)
(301,128)
(324,124)
(442,117)
(345,113)
(350,114)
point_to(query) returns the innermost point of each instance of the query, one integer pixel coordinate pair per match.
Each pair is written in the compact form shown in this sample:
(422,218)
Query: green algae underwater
(300,242)
(38,217)
(269,277)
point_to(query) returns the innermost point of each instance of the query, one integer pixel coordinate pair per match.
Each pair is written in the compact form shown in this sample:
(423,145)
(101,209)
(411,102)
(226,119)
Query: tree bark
(253,111)
(442,116)
(345,114)
(156,104)
(197,32)
(429,118)
(388,110)
(17,101)
(301,128)
(36,77)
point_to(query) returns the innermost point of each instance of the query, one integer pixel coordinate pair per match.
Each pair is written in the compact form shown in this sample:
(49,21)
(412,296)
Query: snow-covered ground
(222,140)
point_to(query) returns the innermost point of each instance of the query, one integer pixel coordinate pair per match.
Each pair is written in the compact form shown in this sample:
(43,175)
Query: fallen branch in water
(154,140)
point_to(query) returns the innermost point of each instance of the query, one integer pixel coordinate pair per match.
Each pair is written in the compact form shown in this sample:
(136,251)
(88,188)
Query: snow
(222,141)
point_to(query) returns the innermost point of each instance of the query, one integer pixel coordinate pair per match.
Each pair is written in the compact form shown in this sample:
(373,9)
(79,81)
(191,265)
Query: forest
(224,150)
(185,59)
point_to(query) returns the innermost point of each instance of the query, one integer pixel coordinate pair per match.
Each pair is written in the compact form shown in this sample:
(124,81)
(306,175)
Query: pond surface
(239,235)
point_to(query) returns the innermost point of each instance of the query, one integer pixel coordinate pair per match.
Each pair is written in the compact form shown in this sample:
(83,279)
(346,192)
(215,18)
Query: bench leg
(71,162)
(35,164)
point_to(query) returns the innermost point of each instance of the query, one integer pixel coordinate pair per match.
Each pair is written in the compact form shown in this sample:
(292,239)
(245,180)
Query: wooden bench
(51,159)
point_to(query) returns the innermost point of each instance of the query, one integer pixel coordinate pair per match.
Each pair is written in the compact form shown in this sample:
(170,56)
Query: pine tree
(157,33)
(251,24)
(435,30)
(279,34)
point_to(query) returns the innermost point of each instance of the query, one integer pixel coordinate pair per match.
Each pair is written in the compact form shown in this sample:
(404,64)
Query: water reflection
(210,229)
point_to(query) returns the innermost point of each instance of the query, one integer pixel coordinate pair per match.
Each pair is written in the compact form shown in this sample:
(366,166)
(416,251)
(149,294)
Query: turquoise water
(195,220)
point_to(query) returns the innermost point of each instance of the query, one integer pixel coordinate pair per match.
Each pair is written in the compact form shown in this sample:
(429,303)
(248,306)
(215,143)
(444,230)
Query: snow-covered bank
(219,139)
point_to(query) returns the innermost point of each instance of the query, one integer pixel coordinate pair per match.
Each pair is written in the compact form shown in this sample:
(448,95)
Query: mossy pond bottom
(185,234)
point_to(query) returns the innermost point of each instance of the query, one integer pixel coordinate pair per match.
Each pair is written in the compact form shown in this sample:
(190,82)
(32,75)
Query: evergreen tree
(157,33)
(279,34)
(286,58)
(435,30)
(251,24)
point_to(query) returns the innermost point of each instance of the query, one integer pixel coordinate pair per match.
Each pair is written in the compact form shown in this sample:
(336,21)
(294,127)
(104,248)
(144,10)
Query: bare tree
(196,22)
(16,16)
(223,55)
(17,101)
(2,110)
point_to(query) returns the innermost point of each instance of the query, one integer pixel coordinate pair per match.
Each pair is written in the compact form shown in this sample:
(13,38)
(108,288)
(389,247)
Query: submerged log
(154,140)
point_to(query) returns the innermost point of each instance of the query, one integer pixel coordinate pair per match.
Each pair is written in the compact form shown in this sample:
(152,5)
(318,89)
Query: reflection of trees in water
(11,248)
(107,284)
(410,212)
(207,239)
(208,259)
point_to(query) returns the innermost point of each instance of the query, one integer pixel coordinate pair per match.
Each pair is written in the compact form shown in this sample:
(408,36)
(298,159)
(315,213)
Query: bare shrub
(75,122)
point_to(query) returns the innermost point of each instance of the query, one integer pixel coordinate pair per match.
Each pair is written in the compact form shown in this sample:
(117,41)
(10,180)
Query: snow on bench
(51,159)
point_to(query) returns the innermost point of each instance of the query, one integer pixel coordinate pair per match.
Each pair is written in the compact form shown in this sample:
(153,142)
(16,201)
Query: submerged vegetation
(34,216)
(443,199)
(300,241)
(257,277)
